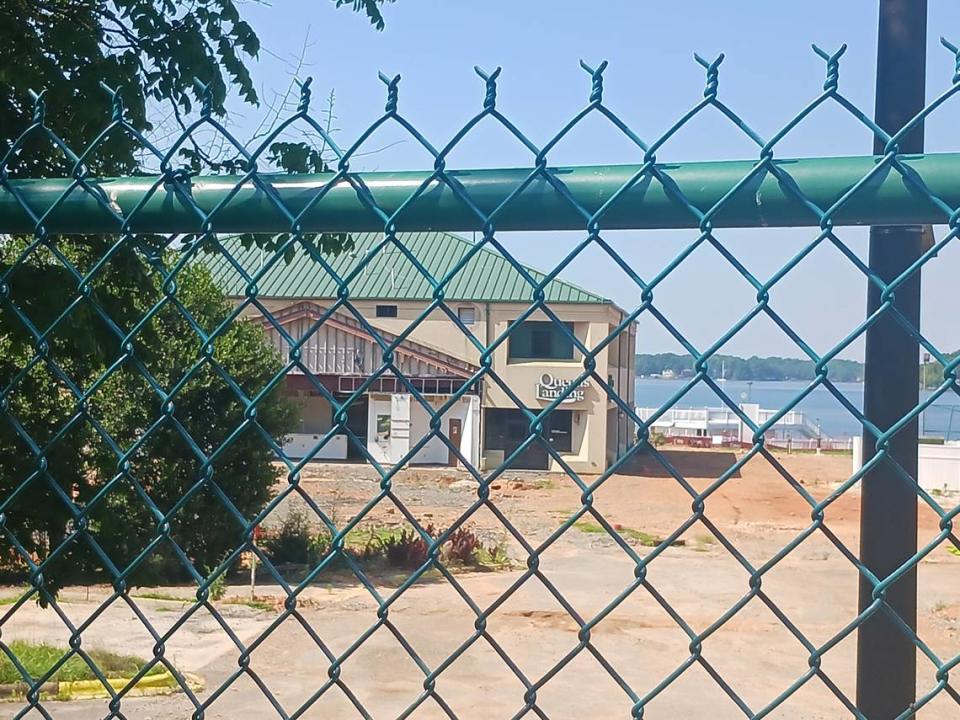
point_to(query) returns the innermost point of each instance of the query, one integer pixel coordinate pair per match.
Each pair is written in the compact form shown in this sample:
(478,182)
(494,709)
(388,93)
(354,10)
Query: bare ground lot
(757,511)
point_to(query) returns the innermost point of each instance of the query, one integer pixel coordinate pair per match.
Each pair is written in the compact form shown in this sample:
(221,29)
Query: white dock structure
(720,425)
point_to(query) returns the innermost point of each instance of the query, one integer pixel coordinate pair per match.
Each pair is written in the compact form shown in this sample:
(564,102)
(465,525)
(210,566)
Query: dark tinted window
(386,310)
(540,340)
(506,429)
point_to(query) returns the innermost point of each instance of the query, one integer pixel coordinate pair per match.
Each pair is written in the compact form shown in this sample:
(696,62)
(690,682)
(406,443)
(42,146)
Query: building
(938,466)
(721,425)
(436,358)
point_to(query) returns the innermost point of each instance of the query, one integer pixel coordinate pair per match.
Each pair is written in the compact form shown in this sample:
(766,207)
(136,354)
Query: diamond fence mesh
(159,228)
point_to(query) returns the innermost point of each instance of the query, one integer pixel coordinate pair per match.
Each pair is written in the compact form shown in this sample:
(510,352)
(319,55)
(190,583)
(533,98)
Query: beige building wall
(592,323)
(521,376)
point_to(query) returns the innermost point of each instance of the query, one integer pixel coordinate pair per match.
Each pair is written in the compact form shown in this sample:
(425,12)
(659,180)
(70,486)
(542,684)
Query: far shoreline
(782,380)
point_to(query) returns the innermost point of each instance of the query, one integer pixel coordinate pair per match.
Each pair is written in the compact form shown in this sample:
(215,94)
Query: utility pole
(886,656)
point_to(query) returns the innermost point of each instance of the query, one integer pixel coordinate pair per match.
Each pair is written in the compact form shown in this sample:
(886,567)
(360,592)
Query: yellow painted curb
(159,684)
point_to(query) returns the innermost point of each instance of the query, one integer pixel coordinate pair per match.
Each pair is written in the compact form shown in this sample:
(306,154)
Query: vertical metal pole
(253,576)
(886,657)
(253,563)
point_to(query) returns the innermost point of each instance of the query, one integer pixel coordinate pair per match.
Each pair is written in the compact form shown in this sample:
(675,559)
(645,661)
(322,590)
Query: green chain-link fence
(171,219)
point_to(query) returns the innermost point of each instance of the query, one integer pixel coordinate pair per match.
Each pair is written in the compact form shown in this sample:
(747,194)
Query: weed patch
(637,536)
(297,542)
(39,658)
(160,596)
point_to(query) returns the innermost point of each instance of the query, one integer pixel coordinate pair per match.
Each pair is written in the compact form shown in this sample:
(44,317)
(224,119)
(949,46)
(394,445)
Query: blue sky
(769,73)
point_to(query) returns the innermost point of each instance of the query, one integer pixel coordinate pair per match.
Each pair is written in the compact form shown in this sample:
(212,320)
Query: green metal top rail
(866,189)
(890,188)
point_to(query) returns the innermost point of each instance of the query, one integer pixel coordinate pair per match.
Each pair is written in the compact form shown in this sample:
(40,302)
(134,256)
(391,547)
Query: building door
(454,433)
(357,422)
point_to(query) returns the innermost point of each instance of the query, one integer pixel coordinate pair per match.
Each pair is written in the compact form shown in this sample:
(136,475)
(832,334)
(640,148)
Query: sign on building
(549,388)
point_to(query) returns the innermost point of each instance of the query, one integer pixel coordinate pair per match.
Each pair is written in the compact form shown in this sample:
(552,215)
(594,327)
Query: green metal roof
(487,276)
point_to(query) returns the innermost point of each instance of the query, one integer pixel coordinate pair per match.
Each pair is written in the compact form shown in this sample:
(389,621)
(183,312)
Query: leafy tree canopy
(152,51)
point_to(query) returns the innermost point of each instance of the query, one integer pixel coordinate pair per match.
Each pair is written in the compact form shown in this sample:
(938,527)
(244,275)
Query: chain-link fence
(128,395)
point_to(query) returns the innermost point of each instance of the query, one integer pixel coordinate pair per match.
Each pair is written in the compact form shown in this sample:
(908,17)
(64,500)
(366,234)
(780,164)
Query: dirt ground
(756,512)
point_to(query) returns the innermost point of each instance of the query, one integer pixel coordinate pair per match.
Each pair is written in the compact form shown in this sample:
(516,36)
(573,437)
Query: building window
(386,310)
(540,340)
(507,429)
(467,315)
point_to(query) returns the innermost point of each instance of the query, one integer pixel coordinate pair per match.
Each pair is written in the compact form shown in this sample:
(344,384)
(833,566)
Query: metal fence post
(886,657)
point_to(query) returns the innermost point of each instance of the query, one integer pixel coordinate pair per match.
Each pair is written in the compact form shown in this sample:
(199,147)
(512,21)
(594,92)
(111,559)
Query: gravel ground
(757,512)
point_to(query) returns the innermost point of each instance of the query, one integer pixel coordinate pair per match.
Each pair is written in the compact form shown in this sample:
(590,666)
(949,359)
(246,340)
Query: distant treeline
(933,371)
(752,368)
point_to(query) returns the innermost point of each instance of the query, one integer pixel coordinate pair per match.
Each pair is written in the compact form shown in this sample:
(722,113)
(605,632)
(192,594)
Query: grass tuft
(39,658)
(162,596)
(254,603)
(638,536)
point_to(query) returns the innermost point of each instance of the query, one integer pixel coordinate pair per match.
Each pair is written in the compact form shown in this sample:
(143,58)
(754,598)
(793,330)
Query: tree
(152,51)
(208,412)
(60,334)
(122,498)
(44,436)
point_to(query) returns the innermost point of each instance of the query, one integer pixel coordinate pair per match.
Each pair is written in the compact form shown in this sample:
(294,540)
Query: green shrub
(218,588)
(296,541)
(405,548)
(461,547)
(204,413)
(293,541)
(493,557)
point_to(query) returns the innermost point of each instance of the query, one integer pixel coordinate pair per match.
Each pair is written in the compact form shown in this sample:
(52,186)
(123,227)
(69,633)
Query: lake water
(940,420)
